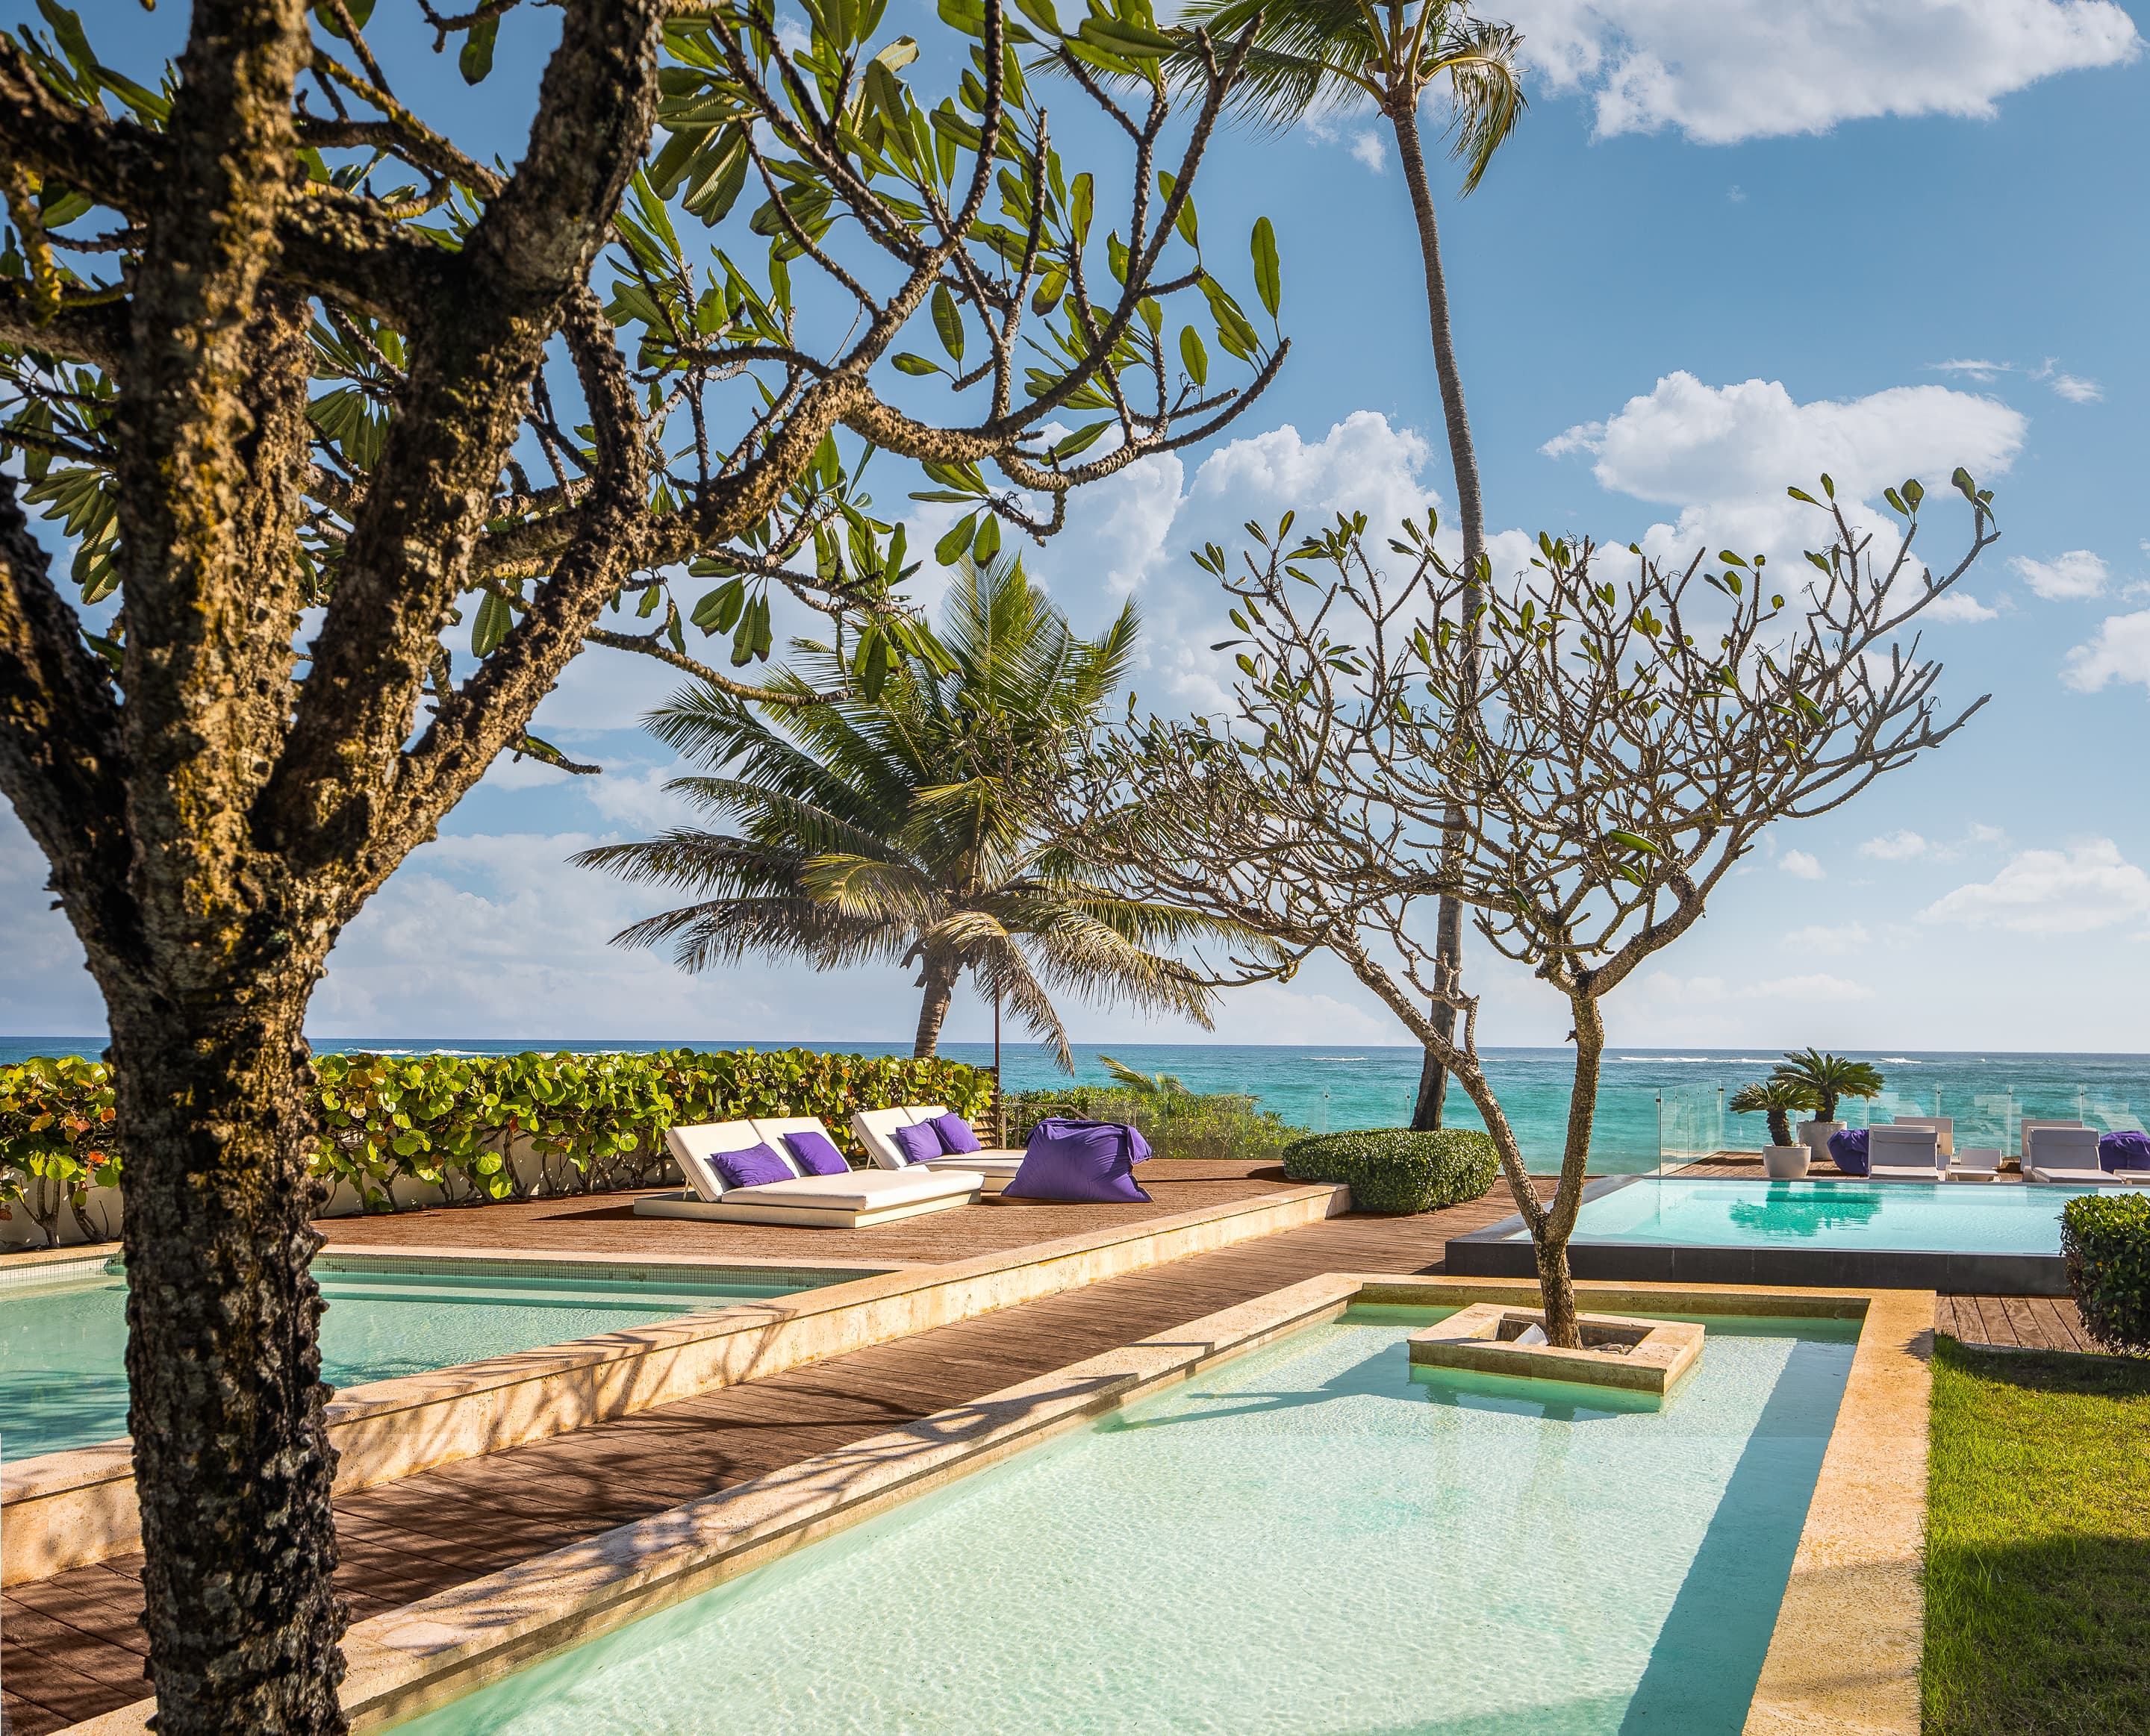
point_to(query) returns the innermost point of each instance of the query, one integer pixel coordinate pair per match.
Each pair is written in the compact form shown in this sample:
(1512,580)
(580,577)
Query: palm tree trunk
(1471,515)
(938,978)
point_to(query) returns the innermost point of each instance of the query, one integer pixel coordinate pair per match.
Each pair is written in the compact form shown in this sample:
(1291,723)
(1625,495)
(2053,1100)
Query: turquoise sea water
(1934,1217)
(1306,1540)
(1644,1087)
(63,1345)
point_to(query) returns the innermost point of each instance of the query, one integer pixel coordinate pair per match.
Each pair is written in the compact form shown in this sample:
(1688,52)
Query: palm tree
(1144,1084)
(1311,54)
(1777,1097)
(907,830)
(1829,1077)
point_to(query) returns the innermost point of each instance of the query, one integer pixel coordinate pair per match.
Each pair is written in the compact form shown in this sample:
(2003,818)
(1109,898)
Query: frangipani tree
(317,395)
(1397,55)
(1633,731)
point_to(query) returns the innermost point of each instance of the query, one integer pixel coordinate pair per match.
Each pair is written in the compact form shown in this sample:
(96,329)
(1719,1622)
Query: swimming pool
(63,1343)
(1306,1539)
(1994,1237)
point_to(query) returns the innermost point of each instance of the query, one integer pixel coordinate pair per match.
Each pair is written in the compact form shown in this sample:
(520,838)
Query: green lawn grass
(2037,1545)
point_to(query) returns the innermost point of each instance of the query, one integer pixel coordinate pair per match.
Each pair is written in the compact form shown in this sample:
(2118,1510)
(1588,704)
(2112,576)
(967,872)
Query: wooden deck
(72,1646)
(2014,1323)
(606,1224)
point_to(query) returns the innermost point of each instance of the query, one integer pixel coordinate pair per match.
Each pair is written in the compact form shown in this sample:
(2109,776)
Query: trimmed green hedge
(479,1127)
(1177,1124)
(1393,1169)
(2105,1237)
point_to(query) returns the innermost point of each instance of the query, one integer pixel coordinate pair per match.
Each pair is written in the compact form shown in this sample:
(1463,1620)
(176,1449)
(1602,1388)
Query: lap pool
(1994,1238)
(63,1342)
(1309,1538)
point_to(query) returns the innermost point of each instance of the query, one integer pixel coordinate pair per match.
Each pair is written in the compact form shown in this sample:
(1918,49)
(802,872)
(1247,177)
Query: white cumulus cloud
(1800,865)
(2051,891)
(1959,607)
(2075,389)
(1818,937)
(1724,456)
(2066,577)
(1720,71)
(1898,846)
(2120,651)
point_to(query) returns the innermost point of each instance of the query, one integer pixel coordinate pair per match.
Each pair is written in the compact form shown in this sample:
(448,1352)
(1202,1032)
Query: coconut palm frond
(1147,1084)
(1483,62)
(1307,53)
(727,931)
(700,862)
(870,887)
(1004,972)
(1088,957)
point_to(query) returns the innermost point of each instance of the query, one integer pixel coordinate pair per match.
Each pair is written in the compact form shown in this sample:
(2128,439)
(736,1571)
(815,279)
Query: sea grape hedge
(1177,1124)
(479,1127)
(1393,1169)
(2105,1238)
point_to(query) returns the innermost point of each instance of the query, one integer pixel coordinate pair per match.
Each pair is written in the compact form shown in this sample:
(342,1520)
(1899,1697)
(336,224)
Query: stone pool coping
(68,1508)
(1859,1551)
(1496,1252)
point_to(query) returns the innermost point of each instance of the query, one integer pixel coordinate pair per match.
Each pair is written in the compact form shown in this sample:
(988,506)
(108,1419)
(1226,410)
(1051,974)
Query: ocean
(1652,1102)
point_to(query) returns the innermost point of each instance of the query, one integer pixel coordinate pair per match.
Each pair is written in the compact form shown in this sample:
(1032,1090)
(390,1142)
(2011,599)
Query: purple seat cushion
(1847,1146)
(816,1153)
(2124,1151)
(1080,1160)
(955,1134)
(917,1144)
(751,1168)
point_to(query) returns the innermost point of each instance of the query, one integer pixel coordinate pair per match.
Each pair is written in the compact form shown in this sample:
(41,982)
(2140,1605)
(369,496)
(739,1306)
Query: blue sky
(1723,253)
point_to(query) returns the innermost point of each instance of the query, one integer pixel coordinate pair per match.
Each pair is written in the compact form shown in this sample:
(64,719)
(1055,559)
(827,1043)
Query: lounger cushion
(859,1191)
(1080,1160)
(816,1153)
(955,1134)
(918,1144)
(1847,1150)
(754,1167)
(2124,1151)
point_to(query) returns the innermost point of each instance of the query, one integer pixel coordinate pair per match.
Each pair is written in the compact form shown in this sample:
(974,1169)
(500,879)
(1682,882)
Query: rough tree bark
(1471,518)
(938,978)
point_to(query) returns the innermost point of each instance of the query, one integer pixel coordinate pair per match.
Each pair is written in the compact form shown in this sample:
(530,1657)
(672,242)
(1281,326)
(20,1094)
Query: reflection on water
(1804,1212)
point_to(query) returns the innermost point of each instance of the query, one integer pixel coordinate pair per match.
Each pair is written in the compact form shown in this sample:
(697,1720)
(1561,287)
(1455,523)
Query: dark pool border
(1489,1253)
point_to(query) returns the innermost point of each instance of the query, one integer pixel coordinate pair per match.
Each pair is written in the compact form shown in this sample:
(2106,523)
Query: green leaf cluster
(2105,1240)
(1205,1126)
(1396,1170)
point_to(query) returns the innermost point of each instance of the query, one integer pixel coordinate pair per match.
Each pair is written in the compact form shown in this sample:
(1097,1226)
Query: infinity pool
(63,1345)
(1305,1540)
(1938,1217)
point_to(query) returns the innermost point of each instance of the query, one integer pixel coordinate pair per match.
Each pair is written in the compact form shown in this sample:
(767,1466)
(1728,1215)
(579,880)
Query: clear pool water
(63,1345)
(1937,1217)
(1307,1539)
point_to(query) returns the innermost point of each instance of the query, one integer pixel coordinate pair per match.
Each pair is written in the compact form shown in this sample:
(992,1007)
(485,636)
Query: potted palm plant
(1779,1096)
(1830,1078)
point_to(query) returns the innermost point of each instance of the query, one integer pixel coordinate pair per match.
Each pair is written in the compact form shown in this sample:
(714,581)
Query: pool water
(1937,1217)
(63,1345)
(1308,1539)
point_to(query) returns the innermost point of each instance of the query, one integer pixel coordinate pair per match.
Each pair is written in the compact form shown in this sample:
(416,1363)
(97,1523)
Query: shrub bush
(2105,1237)
(1178,1124)
(1393,1169)
(481,1128)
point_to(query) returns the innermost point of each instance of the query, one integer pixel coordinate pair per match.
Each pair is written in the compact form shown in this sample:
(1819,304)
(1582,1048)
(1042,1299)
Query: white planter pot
(1786,1163)
(1815,1136)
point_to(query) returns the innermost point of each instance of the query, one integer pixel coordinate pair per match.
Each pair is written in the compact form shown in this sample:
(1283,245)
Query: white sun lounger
(875,1129)
(2054,1154)
(850,1201)
(1903,1154)
(1974,1163)
(1942,1125)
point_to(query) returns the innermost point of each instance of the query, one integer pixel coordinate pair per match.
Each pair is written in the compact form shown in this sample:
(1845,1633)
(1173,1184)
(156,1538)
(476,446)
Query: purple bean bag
(2124,1151)
(1847,1147)
(1080,1161)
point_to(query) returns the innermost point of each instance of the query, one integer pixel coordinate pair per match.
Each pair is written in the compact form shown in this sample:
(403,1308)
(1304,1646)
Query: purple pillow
(2124,1151)
(1080,1160)
(816,1153)
(1847,1146)
(917,1144)
(751,1168)
(955,1134)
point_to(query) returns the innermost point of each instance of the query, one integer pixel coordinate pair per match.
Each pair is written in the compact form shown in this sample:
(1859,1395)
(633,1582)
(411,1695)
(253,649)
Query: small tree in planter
(1779,1098)
(1581,762)
(1828,1078)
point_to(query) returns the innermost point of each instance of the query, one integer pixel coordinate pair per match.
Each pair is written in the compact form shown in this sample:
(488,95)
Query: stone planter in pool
(1646,1357)
(1786,1163)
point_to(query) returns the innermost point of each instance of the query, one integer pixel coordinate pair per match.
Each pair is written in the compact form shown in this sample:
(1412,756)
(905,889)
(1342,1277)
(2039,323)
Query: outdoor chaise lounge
(852,1200)
(1905,1154)
(876,1129)
(2055,1153)
(1944,1127)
